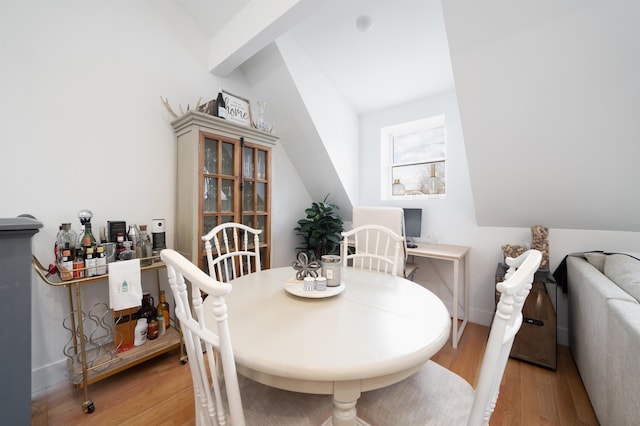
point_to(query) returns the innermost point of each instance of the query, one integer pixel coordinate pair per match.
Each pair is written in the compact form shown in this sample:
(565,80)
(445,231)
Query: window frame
(386,165)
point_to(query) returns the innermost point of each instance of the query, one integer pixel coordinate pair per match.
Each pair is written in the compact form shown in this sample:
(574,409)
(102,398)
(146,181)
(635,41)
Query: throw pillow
(597,260)
(625,272)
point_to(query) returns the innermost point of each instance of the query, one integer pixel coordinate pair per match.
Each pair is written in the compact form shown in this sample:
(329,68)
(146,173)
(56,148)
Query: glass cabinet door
(218,181)
(224,165)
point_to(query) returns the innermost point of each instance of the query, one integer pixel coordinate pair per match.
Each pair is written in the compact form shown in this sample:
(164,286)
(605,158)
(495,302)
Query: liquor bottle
(143,247)
(101,260)
(163,307)
(90,261)
(66,265)
(221,107)
(88,240)
(120,245)
(78,264)
(103,235)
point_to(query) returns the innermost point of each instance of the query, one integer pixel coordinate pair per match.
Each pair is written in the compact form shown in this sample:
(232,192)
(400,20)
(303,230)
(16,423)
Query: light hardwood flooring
(159,392)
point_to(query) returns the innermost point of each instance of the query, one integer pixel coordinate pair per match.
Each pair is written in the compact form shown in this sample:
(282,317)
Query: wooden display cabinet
(223,175)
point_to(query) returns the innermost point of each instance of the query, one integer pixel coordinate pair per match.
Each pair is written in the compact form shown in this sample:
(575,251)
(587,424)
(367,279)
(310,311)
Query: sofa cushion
(597,260)
(625,272)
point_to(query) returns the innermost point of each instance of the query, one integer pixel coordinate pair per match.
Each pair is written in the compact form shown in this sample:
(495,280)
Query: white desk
(378,331)
(455,254)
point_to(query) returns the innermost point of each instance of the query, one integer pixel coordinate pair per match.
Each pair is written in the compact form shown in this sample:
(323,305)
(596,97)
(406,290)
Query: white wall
(549,97)
(84,128)
(452,220)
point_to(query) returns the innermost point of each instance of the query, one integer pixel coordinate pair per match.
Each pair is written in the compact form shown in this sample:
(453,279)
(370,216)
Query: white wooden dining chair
(218,400)
(237,251)
(437,396)
(373,247)
(392,218)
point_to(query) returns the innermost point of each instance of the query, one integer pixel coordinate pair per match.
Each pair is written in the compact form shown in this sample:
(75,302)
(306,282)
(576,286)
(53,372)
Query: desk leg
(465,305)
(456,283)
(345,397)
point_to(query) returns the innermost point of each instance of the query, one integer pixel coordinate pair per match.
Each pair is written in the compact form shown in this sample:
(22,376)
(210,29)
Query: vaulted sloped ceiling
(549,99)
(547,91)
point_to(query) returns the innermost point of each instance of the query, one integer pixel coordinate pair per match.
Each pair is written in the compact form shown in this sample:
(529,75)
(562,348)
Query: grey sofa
(604,332)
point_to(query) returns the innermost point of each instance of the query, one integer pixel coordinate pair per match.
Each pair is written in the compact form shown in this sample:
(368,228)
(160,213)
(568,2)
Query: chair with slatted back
(218,400)
(436,395)
(237,251)
(373,247)
(392,218)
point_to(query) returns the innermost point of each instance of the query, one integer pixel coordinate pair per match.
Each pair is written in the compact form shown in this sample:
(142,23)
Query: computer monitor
(412,222)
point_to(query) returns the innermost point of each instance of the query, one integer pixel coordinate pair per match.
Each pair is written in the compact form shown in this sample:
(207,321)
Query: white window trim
(386,154)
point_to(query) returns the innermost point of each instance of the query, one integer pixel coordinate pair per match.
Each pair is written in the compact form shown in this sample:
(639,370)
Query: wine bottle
(221,107)
(88,240)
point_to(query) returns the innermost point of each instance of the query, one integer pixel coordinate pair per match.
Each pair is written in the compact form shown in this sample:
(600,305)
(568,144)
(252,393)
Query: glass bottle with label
(120,245)
(163,307)
(152,329)
(78,264)
(88,240)
(221,107)
(66,265)
(90,261)
(162,328)
(101,260)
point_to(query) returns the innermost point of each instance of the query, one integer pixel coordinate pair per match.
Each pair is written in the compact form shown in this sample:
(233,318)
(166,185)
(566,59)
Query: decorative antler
(166,104)
(168,107)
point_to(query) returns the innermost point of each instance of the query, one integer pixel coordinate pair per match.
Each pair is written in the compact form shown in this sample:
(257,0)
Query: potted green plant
(321,229)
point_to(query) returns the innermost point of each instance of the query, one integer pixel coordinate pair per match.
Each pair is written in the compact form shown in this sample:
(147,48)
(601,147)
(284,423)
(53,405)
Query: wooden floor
(159,392)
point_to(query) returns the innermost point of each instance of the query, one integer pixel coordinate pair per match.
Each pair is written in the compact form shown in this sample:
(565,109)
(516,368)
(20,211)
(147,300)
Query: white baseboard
(48,375)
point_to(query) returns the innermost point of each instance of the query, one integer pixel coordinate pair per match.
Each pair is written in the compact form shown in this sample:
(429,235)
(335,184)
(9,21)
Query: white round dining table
(379,330)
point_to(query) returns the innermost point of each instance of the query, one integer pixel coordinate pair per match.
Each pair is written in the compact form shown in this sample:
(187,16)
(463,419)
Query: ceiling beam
(254,27)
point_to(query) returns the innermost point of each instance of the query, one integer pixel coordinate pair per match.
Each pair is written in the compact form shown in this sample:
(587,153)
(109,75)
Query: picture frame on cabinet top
(238,109)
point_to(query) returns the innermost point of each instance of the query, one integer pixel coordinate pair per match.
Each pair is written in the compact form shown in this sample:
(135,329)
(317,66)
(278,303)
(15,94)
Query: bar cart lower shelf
(91,354)
(110,363)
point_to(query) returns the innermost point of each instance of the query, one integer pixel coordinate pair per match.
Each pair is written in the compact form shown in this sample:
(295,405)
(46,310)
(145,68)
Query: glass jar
(143,247)
(66,241)
(331,269)
(152,330)
(321,283)
(397,188)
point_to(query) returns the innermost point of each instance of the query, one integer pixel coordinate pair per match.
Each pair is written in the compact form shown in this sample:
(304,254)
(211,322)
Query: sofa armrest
(623,368)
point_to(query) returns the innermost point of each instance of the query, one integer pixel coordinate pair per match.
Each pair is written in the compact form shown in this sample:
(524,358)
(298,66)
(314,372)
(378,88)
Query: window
(414,159)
